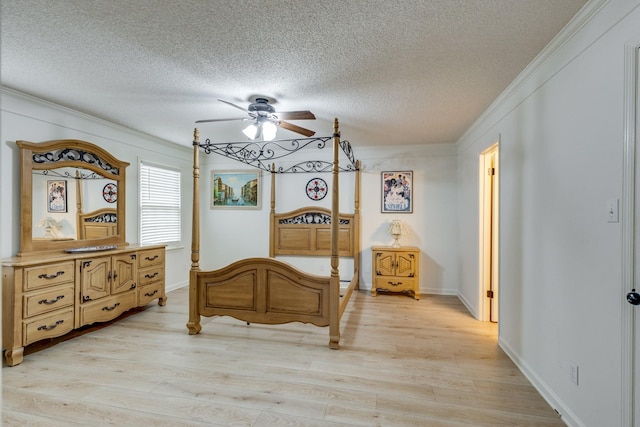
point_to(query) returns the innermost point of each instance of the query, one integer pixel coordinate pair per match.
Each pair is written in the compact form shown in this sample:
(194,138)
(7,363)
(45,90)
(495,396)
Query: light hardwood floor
(401,363)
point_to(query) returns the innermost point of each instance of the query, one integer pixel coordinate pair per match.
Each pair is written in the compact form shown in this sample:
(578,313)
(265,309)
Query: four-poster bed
(268,290)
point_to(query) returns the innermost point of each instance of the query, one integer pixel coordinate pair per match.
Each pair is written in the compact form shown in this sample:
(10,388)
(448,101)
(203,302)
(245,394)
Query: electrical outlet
(573,372)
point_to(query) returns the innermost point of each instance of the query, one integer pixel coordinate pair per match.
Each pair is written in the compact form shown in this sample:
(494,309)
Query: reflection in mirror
(73,203)
(72,195)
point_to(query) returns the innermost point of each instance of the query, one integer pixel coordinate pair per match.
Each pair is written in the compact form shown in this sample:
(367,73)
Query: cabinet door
(405,264)
(95,278)
(385,263)
(124,273)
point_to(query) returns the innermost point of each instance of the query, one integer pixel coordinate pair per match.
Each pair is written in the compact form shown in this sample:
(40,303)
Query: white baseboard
(565,414)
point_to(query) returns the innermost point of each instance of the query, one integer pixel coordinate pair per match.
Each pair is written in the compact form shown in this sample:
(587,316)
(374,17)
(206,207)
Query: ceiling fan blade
(296,129)
(221,120)
(234,105)
(295,115)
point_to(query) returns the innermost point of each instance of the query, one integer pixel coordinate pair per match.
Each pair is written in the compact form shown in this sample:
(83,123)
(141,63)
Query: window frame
(145,193)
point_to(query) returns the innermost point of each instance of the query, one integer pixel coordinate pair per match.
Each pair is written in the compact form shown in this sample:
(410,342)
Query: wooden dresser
(395,269)
(46,296)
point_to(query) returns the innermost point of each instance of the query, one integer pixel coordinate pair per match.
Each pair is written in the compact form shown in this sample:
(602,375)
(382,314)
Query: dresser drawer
(108,308)
(35,303)
(151,275)
(151,257)
(393,283)
(146,294)
(48,275)
(47,326)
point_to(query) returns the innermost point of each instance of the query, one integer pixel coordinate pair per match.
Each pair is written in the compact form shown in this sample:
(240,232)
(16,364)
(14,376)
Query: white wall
(560,126)
(432,225)
(226,235)
(239,234)
(30,119)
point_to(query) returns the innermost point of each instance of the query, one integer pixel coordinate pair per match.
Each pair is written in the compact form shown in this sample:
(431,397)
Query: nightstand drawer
(395,284)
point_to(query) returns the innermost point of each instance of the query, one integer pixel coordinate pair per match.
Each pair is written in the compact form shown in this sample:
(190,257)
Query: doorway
(488,227)
(631,238)
(635,311)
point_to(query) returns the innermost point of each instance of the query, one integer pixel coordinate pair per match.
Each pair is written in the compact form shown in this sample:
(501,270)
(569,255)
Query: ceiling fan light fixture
(251,131)
(269,130)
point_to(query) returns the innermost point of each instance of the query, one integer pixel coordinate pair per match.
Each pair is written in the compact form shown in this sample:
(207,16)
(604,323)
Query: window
(159,205)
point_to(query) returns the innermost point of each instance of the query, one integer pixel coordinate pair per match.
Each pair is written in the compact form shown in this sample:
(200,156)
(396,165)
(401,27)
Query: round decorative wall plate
(316,189)
(110,192)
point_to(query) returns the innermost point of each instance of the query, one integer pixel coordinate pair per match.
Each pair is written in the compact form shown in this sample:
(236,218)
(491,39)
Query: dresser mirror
(72,196)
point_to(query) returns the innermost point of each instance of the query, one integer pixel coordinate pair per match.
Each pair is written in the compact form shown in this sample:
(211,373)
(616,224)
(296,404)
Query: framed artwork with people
(57,196)
(397,192)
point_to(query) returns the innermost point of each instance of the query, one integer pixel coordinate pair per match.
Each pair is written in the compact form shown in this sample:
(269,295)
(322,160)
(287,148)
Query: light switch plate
(612,211)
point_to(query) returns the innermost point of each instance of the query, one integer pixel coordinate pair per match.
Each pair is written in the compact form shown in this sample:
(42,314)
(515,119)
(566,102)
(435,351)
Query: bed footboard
(264,290)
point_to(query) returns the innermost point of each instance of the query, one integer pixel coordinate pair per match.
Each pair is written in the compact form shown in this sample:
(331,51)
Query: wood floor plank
(401,362)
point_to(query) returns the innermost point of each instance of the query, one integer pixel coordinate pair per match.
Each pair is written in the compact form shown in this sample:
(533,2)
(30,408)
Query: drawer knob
(48,328)
(51,301)
(111,308)
(50,276)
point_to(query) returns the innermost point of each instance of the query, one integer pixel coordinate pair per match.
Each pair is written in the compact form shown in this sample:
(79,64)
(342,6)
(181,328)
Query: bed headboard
(97,224)
(307,231)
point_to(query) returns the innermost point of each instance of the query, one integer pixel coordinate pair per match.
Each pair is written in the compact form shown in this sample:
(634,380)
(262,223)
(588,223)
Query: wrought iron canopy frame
(262,154)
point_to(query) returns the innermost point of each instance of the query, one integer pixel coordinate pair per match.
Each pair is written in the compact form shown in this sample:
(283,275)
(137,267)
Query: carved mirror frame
(45,157)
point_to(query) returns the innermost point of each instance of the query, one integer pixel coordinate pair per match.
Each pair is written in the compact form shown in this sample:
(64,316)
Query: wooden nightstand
(395,269)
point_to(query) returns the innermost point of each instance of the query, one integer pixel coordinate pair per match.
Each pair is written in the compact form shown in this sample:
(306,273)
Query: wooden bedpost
(79,205)
(334,284)
(194,318)
(272,225)
(356,218)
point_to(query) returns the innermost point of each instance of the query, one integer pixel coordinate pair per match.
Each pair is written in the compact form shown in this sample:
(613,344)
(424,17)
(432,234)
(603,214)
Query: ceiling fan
(266,119)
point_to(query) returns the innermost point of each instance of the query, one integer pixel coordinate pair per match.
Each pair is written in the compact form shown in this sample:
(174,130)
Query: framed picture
(397,192)
(235,189)
(57,196)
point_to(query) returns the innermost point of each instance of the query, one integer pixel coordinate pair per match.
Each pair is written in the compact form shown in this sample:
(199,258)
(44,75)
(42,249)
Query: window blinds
(159,205)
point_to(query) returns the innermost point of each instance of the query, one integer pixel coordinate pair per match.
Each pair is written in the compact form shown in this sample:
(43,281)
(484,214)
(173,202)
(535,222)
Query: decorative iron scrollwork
(74,154)
(262,154)
(312,218)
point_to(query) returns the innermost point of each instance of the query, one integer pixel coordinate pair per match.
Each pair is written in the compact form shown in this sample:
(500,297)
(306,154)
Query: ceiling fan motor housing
(262,106)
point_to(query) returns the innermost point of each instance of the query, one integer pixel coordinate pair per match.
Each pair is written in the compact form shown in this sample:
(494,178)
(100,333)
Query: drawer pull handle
(133,286)
(48,328)
(111,308)
(151,276)
(151,258)
(151,294)
(86,298)
(395,283)
(52,276)
(51,301)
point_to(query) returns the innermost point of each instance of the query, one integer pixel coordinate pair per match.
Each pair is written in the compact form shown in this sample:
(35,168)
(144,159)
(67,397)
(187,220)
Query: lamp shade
(397,229)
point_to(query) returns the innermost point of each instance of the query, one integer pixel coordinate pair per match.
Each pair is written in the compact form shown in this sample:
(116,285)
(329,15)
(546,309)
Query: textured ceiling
(393,72)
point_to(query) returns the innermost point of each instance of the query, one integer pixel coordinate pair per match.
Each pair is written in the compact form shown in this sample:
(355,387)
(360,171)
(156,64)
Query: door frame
(488,213)
(628,210)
